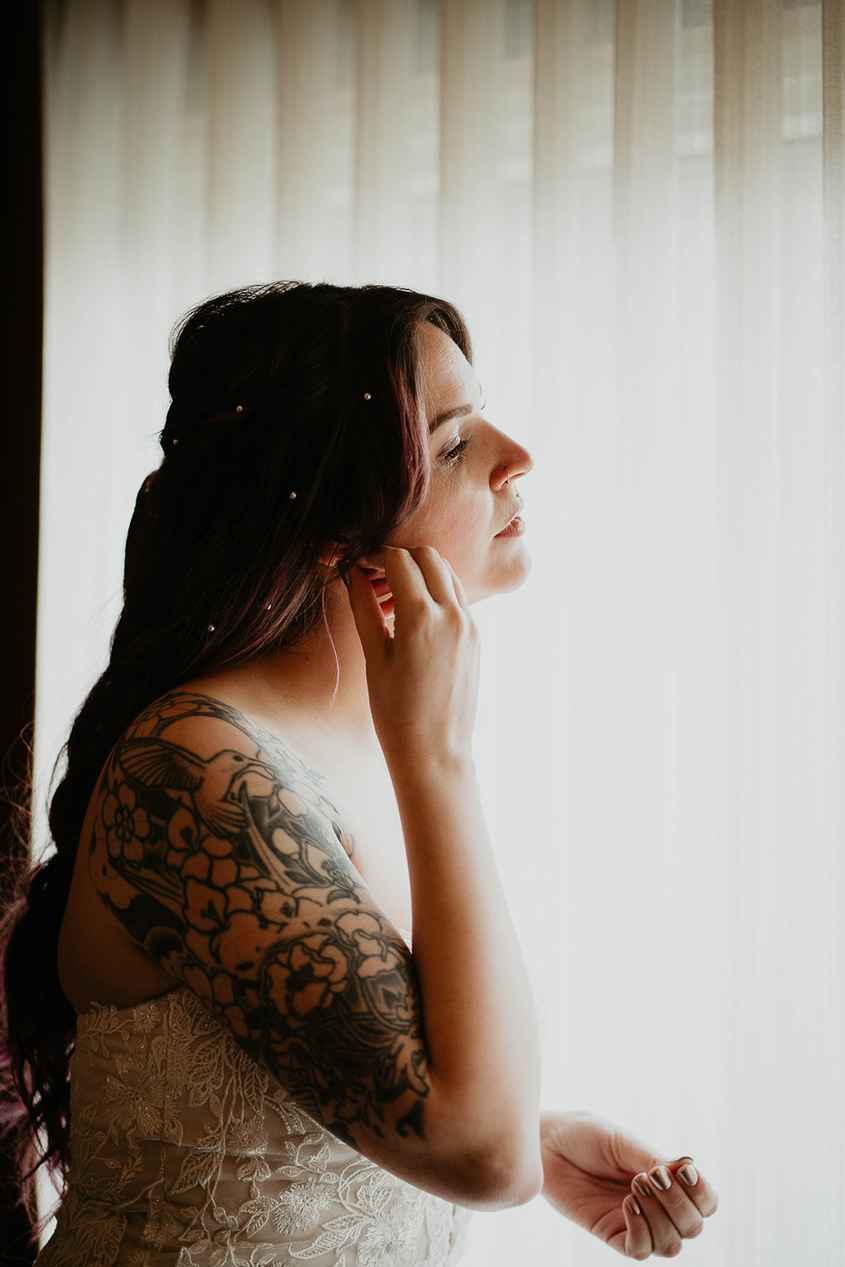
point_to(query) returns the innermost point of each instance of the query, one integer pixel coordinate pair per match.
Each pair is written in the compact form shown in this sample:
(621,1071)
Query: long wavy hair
(295,425)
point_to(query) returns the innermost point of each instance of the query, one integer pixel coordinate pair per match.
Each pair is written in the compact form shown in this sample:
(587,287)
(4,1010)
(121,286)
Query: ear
(331,555)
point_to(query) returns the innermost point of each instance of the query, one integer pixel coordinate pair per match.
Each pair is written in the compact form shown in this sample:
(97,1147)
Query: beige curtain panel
(640,206)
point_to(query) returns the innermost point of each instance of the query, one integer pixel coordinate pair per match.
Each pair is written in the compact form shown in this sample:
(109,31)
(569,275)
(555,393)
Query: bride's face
(472,514)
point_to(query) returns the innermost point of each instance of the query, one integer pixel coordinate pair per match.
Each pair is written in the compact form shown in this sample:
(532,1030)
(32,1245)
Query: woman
(264,1072)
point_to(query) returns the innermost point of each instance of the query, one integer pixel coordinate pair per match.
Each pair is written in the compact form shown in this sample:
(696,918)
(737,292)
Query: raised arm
(481,1034)
(222,856)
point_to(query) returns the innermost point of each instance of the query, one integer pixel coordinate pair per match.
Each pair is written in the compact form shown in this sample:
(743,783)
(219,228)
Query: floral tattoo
(230,869)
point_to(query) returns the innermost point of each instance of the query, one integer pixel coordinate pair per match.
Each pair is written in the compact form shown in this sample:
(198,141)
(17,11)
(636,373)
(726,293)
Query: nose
(513,462)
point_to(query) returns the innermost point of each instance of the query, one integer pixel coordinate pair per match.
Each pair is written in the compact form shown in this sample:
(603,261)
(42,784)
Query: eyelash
(456,454)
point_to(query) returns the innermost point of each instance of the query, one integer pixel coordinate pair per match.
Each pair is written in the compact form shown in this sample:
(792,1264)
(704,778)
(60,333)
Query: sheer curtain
(640,206)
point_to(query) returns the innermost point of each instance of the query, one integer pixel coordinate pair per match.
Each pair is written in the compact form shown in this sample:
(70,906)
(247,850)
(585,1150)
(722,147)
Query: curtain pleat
(240,193)
(640,206)
(833,461)
(314,139)
(647,442)
(85,430)
(384,119)
(159,244)
(772,595)
(748,209)
(471,35)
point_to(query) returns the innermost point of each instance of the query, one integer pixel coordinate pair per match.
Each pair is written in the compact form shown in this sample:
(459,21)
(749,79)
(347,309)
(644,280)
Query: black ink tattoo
(231,870)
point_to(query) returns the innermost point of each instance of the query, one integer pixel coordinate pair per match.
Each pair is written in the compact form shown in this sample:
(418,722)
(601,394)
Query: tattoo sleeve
(228,868)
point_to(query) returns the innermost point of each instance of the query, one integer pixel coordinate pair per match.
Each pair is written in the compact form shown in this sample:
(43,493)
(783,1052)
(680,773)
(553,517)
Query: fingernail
(689,1174)
(641,1186)
(661,1178)
(633,1205)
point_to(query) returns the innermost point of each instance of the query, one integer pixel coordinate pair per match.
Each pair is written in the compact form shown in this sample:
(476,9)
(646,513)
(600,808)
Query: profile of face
(472,514)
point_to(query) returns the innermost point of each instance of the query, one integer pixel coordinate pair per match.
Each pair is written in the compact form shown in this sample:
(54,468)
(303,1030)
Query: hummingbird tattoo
(212,785)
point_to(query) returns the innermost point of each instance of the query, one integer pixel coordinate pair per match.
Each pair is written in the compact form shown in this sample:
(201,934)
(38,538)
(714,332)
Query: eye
(456,453)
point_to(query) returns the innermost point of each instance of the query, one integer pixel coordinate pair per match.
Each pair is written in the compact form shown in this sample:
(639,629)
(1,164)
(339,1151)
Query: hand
(422,674)
(593,1173)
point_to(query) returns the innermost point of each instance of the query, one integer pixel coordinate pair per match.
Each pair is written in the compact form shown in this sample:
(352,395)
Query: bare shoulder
(220,853)
(196,802)
(210,751)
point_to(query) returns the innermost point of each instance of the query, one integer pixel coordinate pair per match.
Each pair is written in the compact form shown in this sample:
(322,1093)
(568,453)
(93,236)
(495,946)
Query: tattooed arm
(220,854)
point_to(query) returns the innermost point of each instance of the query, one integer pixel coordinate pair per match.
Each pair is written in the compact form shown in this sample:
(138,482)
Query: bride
(272,932)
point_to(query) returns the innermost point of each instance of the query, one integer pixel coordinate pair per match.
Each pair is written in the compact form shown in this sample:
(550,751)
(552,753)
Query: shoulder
(176,831)
(201,813)
(221,855)
(192,750)
(206,726)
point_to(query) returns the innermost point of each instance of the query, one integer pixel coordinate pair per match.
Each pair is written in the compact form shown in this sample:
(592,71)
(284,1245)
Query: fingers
(423,565)
(674,1200)
(459,588)
(422,671)
(373,582)
(700,1192)
(416,586)
(666,1238)
(412,577)
(638,1242)
(367,613)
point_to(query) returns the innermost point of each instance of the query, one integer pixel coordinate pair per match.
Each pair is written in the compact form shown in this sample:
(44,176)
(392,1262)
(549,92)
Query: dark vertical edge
(20,458)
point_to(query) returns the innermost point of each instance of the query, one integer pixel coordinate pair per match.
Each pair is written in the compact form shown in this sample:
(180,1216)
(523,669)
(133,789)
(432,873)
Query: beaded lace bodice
(186,1152)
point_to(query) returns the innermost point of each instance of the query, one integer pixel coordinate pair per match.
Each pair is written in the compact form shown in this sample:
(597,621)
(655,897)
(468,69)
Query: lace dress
(187,1153)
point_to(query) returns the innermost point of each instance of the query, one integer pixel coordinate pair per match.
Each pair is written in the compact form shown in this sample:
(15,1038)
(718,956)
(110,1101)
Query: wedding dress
(186,1153)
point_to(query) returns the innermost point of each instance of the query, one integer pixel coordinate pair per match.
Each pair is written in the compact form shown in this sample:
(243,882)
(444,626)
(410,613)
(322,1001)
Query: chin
(510,578)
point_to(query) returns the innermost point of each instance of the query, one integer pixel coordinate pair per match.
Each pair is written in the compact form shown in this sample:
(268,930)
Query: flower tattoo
(227,864)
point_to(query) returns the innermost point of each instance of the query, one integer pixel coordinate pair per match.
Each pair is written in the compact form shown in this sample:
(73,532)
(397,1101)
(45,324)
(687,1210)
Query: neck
(321,679)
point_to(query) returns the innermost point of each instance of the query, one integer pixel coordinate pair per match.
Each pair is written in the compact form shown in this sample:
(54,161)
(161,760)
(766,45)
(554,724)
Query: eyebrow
(460,411)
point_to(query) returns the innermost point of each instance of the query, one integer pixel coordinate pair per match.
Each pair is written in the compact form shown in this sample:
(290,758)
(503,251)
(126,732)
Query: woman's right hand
(422,666)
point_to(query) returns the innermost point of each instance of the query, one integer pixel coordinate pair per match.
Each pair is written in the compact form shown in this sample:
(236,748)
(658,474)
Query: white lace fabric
(186,1152)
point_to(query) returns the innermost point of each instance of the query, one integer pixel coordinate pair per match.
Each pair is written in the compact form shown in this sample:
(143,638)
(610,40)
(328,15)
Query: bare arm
(480,1026)
(220,854)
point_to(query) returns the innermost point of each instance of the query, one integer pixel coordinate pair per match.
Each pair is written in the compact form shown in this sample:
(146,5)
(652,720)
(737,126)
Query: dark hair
(276,390)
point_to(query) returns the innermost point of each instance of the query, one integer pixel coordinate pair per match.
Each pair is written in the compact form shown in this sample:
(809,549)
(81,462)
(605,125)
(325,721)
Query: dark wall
(20,453)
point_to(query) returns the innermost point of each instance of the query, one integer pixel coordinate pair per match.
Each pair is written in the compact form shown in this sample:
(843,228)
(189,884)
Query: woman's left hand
(594,1173)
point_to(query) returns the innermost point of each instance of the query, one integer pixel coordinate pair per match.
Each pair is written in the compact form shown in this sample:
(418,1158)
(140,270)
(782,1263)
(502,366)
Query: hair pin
(368,396)
(211,628)
(239,409)
(292,496)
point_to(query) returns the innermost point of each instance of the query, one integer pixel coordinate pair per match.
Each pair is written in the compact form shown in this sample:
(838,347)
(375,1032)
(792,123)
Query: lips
(514,527)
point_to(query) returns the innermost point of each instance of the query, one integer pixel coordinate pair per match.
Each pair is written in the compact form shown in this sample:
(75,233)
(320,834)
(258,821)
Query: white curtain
(640,206)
